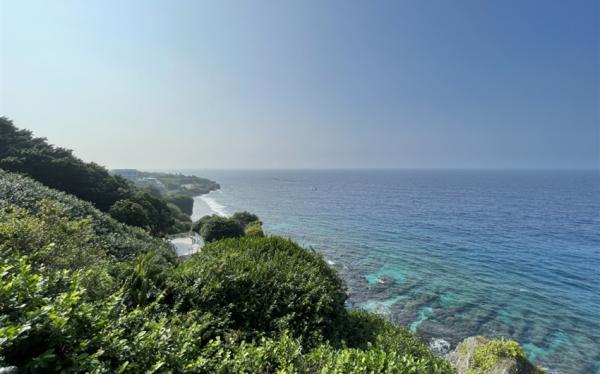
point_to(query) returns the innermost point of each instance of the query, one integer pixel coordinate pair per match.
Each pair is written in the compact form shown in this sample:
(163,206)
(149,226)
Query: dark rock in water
(478,354)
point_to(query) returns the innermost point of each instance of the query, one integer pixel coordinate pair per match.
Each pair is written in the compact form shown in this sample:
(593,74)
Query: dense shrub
(44,317)
(81,292)
(119,240)
(217,228)
(363,329)
(59,169)
(129,212)
(197,226)
(52,242)
(265,286)
(245,218)
(48,331)
(50,325)
(491,353)
(185,203)
(160,218)
(183,223)
(254,230)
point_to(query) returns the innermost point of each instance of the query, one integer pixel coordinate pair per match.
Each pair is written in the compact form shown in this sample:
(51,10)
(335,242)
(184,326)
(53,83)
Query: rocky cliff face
(479,355)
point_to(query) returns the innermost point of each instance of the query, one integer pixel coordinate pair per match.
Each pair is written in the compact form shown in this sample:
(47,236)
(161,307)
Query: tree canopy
(58,168)
(217,228)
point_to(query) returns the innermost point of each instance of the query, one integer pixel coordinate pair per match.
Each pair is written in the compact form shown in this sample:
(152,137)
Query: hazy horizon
(307,85)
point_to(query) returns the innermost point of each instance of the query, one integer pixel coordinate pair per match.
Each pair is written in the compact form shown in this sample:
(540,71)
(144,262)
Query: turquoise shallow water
(449,254)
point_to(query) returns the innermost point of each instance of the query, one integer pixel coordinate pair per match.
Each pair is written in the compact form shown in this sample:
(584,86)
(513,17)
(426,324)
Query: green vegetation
(120,241)
(488,355)
(245,218)
(265,286)
(129,212)
(240,224)
(217,228)
(82,292)
(197,226)
(255,230)
(183,202)
(170,184)
(87,285)
(59,169)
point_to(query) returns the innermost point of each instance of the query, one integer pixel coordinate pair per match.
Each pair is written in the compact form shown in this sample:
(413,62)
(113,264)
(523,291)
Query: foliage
(120,241)
(50,322)
(160,218)
(185,203)
(45,330)
(245,218)
(183,223)
(53,242)
(197,226)
(487,355)
(81,292)
(59,169)
(362,329)
(286,355)
(176,184)
(42,328)
(145,279)
(254,230)
(217,228)
(265,286)
(129,212)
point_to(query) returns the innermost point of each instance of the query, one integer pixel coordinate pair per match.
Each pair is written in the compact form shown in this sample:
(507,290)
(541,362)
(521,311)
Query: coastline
(205,205)
(434,262)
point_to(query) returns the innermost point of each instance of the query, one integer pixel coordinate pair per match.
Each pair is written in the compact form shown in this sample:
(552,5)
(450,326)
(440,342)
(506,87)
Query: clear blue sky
(277,84)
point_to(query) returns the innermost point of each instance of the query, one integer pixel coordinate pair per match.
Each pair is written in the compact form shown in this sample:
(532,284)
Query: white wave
(214,205)
(330,262)
(439,346)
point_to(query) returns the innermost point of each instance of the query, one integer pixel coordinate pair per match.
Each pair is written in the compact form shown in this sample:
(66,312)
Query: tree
(185,203)
(217,228)
(160,218)
(129,212)
(58,168)
(245,218)
(197,226)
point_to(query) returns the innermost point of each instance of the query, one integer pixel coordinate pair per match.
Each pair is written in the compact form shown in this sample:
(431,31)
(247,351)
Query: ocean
(448,254)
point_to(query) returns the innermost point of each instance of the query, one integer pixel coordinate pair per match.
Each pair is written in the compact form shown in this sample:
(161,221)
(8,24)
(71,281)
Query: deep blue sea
(449,254)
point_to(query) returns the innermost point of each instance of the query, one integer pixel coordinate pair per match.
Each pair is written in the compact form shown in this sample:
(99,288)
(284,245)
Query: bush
(265,286)
(160,218)
(363,329)
(58,168)
(286,355)
(254,230)
(488,355)
(245,218)
(185,203)
(217,228)
(49,325)
(197,226)
(183,223)
(129,212)
(120,241)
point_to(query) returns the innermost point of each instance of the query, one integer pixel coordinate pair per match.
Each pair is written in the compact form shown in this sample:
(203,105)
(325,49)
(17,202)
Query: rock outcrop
(479,355)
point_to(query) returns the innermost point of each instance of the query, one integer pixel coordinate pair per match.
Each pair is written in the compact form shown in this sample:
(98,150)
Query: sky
(307,84)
